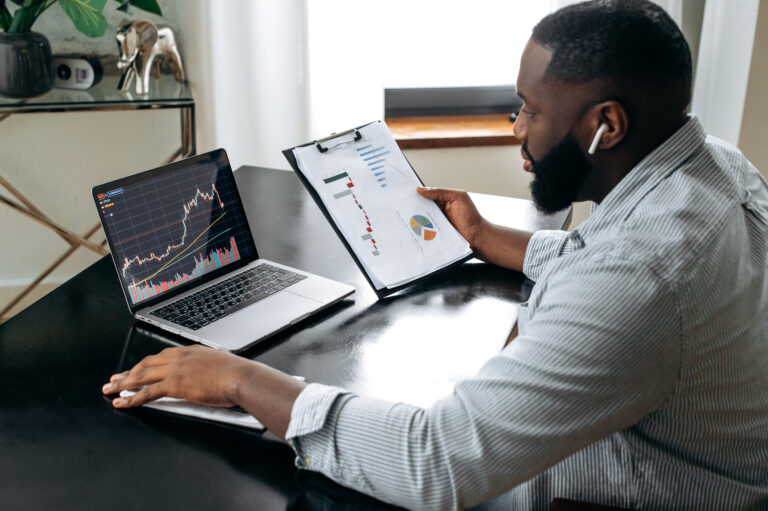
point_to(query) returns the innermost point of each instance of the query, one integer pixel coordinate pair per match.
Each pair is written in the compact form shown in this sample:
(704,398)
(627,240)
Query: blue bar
(377,168)
(371,151)
(376,156)
(379,173)
(381,179)
(216,260)
(376,162)
(383,185)
(364,147)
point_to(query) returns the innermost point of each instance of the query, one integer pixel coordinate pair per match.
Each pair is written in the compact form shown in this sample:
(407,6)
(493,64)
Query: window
(356,49)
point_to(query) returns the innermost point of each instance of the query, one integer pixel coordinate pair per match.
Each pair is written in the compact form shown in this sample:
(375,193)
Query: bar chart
(375,157)
(140,291)
(346,186)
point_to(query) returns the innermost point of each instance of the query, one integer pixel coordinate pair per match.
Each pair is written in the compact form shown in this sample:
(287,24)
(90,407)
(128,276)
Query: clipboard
(324,145)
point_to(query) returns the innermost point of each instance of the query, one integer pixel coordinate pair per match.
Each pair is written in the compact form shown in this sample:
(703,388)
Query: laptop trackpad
(258,320)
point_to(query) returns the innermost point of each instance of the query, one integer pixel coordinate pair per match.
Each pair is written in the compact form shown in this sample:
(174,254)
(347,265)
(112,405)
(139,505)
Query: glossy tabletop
(63,446)
(164,92)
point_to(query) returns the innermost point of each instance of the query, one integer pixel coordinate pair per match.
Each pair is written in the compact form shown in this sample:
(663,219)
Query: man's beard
(559,175)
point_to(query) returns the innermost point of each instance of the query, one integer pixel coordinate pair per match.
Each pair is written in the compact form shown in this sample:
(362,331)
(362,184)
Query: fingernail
(107,387)
(118,401)
(116,377)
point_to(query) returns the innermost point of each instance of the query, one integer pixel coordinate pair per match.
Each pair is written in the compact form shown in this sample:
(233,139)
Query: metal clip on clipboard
(322,149)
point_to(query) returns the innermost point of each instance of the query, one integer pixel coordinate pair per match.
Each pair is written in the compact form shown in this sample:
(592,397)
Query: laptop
(187,262)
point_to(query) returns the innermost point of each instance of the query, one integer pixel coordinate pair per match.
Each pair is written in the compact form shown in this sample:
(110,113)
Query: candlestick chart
(174,228)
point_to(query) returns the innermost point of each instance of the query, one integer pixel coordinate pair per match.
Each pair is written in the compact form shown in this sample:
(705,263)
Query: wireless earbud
(593,146)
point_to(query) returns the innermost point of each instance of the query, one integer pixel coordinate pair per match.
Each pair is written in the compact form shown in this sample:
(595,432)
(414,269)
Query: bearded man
(639,377)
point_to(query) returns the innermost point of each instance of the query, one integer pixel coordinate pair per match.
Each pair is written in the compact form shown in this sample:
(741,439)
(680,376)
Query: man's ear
(614,116)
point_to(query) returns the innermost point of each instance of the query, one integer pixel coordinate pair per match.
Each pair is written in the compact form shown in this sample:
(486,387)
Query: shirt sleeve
(543,247)
(310,409)
(601,351)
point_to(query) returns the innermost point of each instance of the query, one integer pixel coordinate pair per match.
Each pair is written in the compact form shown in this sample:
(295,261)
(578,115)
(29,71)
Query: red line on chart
(187,209)
(368,229)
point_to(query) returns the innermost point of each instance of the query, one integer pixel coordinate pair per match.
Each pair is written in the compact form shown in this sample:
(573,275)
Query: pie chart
(423,227)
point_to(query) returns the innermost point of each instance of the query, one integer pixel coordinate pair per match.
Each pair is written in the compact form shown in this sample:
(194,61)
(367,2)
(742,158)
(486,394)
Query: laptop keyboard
(228,296)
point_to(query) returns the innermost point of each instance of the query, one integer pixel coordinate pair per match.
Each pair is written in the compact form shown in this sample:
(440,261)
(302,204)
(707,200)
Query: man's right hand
(459,209)
(495,244)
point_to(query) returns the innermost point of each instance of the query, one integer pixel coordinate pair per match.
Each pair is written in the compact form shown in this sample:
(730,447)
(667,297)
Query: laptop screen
(170,228)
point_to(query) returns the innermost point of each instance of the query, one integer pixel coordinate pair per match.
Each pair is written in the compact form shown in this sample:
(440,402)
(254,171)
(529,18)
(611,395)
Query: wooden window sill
(452,131)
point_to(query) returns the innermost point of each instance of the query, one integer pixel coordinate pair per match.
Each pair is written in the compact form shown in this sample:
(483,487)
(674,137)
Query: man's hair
(631,45)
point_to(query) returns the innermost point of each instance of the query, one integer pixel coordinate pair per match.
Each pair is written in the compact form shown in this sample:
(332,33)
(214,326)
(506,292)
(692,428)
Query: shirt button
(307,460)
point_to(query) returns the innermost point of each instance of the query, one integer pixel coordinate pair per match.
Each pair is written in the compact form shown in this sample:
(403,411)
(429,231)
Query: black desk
(63,446)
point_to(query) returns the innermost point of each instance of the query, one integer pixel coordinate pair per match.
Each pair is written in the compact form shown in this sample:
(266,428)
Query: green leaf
(147,5)
(24,17)
(86,15)
(5,16)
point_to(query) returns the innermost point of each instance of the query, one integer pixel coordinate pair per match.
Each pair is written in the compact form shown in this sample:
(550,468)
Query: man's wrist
(481,233)
(238,377)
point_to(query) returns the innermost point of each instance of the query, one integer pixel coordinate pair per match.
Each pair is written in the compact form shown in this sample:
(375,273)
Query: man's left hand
(195,373)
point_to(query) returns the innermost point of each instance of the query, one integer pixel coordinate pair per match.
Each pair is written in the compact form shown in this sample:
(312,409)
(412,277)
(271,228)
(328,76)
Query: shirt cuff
(311,408)
(543,248)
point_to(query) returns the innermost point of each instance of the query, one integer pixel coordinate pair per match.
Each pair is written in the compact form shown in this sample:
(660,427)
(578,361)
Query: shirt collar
(646,175)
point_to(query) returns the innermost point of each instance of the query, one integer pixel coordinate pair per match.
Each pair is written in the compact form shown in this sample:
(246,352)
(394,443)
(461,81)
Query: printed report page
(369,189)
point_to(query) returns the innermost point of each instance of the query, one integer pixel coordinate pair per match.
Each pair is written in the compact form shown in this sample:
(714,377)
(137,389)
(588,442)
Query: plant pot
(26,65)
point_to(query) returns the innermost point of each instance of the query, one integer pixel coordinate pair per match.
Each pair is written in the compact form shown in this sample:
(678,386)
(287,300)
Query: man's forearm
(502,246)
(267,394)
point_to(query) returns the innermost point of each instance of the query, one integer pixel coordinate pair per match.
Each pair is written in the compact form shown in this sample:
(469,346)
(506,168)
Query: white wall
(495,170)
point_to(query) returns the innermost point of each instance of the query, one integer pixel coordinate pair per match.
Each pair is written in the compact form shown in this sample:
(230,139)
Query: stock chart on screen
(174,228)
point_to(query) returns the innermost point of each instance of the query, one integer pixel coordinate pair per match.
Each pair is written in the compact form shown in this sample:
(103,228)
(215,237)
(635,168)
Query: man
(639,377)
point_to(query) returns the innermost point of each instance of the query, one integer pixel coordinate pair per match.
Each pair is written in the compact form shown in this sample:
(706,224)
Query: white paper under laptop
(187,262)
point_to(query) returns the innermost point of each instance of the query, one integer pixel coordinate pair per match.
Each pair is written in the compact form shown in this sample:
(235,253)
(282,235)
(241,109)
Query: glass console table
(165,92)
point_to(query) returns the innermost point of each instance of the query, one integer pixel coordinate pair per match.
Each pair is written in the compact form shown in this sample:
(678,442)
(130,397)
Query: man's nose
(520,128)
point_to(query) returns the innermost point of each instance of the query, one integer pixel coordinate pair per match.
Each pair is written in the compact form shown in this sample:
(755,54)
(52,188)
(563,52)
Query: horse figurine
(140,44)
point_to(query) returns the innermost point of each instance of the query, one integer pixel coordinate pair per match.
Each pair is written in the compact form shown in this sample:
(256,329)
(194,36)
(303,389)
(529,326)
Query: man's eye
(528,112)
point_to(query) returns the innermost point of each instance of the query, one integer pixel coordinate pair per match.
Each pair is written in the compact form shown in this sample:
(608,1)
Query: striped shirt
(639,377)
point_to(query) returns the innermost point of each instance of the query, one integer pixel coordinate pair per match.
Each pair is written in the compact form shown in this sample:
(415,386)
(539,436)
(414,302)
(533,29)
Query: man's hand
(210,377)
(492,243)
(195,373)
(459,209)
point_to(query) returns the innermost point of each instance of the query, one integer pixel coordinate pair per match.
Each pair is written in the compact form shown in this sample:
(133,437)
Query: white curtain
(247,68)
(722,70)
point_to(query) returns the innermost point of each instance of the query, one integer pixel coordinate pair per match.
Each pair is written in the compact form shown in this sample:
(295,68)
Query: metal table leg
(48,271)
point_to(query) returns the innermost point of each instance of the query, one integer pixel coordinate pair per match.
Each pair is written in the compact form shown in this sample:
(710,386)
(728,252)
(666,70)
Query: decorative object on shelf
(26,61)
(143,46)
(26,65)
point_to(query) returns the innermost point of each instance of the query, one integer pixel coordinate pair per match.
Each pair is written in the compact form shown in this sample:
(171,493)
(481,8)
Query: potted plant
(26,60)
